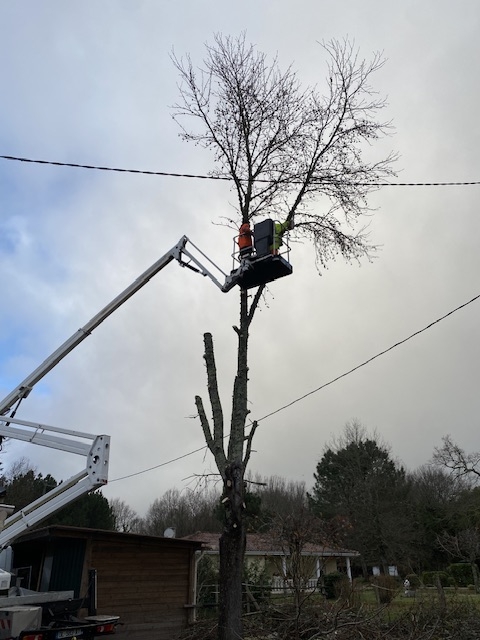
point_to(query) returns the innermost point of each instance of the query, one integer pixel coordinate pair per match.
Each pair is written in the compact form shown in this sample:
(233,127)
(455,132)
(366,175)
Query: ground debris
(461,621)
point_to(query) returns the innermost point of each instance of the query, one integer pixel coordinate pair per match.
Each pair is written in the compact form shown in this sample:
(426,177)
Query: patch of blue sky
(21,349)
(59,182)
(12,350)
(9,383)
(33,195)
(8,237)
(16,366)
(26,187)
(10,343)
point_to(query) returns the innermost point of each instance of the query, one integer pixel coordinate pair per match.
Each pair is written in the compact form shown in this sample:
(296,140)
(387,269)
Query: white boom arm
(176,253)
(96,449)
(95,474)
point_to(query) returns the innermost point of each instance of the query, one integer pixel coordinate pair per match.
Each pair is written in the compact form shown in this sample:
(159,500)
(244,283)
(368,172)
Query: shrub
(461,573)
(334,584)
(429,578)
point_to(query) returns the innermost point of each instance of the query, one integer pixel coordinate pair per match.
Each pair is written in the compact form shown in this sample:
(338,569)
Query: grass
(365,597)
(423,596)
(431,592)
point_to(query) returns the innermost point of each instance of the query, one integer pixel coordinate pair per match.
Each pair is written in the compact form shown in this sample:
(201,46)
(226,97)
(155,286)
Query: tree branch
(249,439)
(239,399)
(215,446)
(283,145)
(216,441)
(254,304)
(453,457)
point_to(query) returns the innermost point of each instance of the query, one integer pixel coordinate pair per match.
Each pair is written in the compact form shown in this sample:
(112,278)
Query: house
(148,581)
(267,553)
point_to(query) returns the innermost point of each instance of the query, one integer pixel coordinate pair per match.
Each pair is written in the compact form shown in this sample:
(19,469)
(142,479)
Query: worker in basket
(280,229)
(245,241)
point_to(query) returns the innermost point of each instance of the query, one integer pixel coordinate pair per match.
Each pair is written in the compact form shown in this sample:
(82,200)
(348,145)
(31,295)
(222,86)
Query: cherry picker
(261,267)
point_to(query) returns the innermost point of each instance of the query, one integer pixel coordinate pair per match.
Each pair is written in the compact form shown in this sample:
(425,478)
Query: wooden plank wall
(147,585)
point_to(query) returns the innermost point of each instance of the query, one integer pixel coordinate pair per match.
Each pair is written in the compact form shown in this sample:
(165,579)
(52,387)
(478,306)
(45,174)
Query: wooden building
(148,581)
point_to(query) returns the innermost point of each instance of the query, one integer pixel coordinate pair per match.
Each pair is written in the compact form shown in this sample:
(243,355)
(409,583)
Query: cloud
(95,87)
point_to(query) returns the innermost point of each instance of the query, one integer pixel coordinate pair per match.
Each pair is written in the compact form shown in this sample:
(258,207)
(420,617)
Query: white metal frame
(95,449)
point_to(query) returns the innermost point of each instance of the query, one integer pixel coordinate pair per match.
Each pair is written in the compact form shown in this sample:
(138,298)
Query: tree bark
(473,564)
(232,470)
(233,539)
(232,552)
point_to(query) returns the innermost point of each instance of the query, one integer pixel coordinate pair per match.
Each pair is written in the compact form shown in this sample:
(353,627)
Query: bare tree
(186,512)
(282,146)
(292,533)
(278,496)
(126,519)
(460,463)
(431,504)
(464,546)
(19,468)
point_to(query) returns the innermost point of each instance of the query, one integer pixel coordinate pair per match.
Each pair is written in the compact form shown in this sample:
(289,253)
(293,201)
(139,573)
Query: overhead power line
(363,364)
(323,386)
(115,169)
(162,464)
(224,178)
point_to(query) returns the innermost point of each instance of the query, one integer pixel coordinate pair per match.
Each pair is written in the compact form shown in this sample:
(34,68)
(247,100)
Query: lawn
(424,596)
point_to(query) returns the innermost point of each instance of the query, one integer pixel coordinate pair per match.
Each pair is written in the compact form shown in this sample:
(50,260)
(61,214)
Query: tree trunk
(232,551)
(364,568)
(233,539)
(473,564)
(442,601)
(231,466)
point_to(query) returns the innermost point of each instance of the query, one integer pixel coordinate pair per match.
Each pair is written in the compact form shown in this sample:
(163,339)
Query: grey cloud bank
(92,83)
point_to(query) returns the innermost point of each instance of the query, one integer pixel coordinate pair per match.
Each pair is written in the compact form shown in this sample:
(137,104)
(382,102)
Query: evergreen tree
(357,479)
(24,485)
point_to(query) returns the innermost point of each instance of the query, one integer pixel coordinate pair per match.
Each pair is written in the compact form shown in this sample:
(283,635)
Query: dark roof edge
(64,531)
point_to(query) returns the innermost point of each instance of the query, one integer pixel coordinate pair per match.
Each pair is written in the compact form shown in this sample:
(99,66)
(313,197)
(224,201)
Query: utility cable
(359,366)
(157,466)
(225,178)
(326,384)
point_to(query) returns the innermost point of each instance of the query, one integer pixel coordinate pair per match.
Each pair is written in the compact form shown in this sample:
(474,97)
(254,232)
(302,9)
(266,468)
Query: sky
(93,83)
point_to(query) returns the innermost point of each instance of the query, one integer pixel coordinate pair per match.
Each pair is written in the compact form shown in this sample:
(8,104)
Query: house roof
(263,544)
(64,531)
